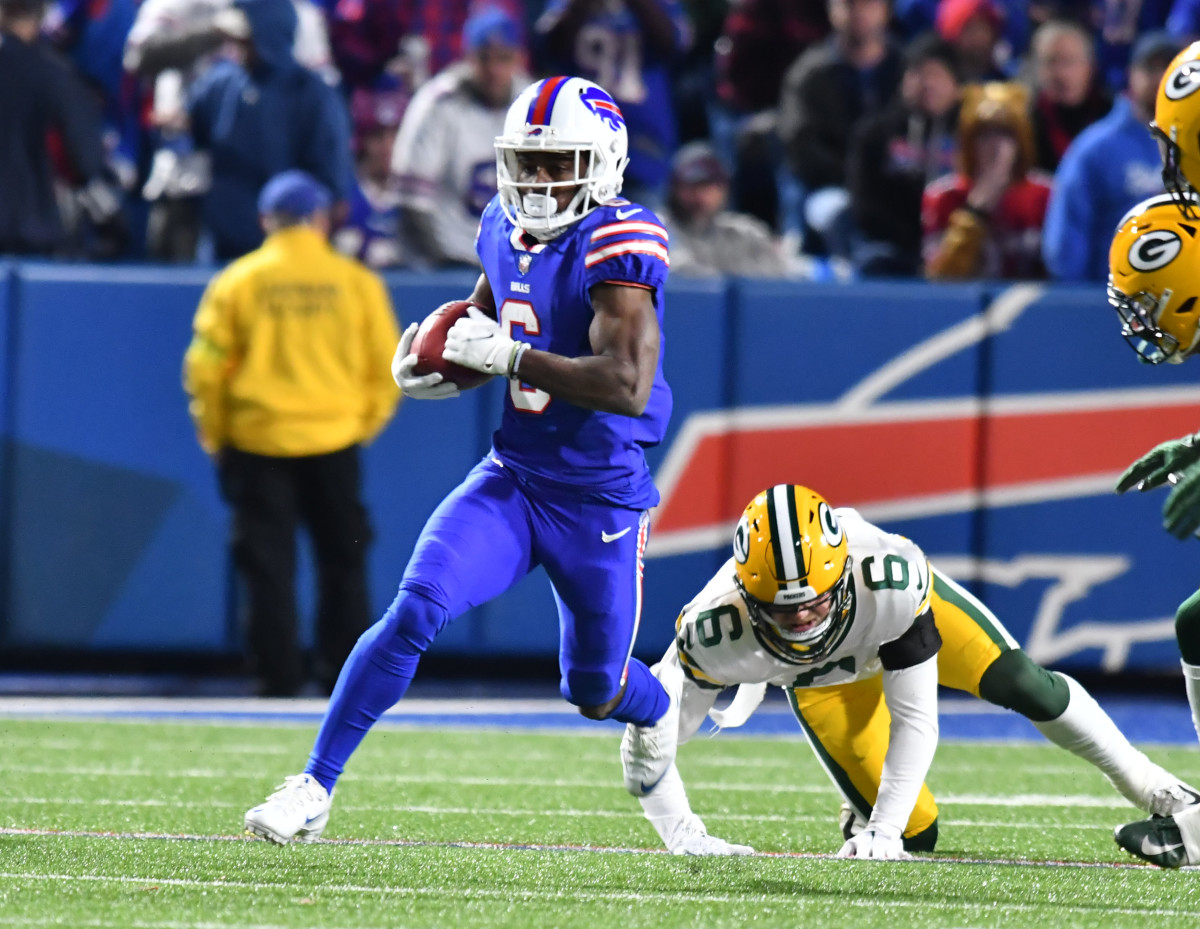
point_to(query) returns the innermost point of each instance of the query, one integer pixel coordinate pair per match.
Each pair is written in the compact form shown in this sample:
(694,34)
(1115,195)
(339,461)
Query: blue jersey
(543,289)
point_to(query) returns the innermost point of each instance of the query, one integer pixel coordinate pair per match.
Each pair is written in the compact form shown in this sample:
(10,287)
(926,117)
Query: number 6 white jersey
(719,646)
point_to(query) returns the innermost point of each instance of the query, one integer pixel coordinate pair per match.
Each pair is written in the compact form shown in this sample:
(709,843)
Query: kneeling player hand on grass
(878,843)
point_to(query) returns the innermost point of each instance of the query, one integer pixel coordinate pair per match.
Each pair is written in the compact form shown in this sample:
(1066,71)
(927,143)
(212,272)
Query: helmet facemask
(810,644)
(532,205)
(1139,314)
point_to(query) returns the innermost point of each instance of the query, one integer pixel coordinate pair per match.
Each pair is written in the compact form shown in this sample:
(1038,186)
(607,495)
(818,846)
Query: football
(431,339)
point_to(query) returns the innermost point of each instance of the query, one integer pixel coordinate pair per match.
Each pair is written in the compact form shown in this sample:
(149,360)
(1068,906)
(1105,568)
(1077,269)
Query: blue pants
(492,530)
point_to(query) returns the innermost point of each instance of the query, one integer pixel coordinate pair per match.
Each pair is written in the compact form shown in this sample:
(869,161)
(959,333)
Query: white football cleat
(647,752)
(690,837)
(299,809)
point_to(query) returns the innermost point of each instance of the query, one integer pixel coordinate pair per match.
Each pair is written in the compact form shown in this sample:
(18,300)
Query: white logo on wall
(1183,81)
(1071,580)
(1154,249)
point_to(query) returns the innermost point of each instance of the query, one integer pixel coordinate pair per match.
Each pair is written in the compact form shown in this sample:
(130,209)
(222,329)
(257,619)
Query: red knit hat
(953,15)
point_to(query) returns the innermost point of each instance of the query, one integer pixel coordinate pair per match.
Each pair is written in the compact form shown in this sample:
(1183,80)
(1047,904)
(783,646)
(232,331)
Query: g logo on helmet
(741,541)
(830,527)
(1154,249)
(1183,81)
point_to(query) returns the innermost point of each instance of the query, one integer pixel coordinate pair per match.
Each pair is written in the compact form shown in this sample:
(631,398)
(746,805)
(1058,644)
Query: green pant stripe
(862,807)
(984,618)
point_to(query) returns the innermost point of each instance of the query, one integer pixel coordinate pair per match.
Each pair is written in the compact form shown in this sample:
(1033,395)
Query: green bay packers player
(1154,284)
(858,629)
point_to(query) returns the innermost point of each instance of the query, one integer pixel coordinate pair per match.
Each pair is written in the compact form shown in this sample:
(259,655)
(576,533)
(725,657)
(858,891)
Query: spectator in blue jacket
(1111,166)
(261,116)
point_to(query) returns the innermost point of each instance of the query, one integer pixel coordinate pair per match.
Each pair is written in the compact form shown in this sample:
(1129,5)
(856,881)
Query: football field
(136,823)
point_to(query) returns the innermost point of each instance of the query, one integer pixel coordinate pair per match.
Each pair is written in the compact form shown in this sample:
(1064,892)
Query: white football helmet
(561,114)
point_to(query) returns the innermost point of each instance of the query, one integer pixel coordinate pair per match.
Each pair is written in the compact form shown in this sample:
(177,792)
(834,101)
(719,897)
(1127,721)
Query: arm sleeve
(920,643)
(879,208)
(911,696)
(327,144)
(381,334)
(960,251)
(78,119)
(1070,221)
(811,128)
(207,364)
(419,156)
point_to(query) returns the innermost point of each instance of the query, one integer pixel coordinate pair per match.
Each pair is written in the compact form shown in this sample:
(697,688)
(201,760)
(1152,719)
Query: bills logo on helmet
(1154,249)
(1183,81)
(603,106)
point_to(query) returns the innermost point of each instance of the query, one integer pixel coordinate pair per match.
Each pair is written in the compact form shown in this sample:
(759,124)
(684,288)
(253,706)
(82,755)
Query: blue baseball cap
(296,193)
(491,25)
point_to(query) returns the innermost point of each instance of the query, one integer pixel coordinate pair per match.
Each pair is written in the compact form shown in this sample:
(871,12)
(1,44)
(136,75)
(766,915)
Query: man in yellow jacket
(289,373)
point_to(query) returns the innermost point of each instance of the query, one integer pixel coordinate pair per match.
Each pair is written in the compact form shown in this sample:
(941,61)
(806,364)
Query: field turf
(134,825)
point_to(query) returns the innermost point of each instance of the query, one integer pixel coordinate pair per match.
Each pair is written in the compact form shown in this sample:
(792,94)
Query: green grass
(411,794)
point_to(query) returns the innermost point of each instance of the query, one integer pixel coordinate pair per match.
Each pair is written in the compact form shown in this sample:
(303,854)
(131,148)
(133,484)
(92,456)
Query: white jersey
(445,158)
(719,646)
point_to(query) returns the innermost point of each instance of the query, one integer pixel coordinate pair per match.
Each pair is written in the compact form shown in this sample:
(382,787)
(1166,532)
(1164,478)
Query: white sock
(667,805)
(1191,682)
(1085,730)
(1188,822)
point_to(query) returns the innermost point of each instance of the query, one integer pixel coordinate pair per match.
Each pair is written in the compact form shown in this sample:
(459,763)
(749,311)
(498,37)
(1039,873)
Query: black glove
(1153,468)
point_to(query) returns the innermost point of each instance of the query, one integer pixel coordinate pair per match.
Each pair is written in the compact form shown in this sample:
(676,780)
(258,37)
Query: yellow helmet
(1176,126)
(1154,278)
(790,555)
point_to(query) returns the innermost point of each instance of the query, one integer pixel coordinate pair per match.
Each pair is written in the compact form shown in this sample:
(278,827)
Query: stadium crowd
(802,138)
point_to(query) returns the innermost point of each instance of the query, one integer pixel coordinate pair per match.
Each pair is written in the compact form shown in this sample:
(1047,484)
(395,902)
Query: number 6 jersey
(889,627)
(543,297)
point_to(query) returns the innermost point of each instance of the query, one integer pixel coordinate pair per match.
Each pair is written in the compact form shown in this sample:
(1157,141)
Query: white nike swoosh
(625,214)
(1150,847)
(605,537)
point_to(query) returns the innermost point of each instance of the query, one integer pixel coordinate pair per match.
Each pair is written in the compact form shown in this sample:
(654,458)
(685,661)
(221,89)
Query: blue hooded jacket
(1110,166)
(260,121)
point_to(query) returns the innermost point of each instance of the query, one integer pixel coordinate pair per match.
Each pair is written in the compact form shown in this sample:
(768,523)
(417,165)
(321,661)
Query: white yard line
(576,894)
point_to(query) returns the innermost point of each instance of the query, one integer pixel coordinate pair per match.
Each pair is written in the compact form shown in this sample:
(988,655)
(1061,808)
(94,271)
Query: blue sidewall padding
(995,451)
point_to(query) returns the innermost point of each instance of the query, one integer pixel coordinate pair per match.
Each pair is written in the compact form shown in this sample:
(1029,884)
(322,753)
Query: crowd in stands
(945,139)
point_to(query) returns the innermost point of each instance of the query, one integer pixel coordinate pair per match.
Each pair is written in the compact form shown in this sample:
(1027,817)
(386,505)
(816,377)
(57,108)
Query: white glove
(477,341)
(689,837)
(876,842)
(420,387)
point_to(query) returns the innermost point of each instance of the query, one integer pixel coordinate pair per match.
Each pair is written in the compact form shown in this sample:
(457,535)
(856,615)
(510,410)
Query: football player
(568,309)
(1154,283)
(858,629)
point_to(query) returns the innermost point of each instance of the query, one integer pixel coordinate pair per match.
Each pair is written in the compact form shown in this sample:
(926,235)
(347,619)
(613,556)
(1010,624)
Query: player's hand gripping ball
(431,342)
(418,367)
